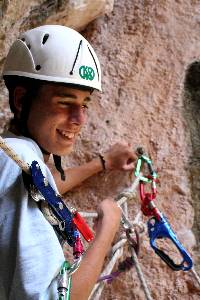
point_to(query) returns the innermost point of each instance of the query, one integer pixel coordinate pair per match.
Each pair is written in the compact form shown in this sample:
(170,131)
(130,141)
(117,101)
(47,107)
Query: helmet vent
(38,67)
(45,38)
(72,70)
(94,61)
(29,46)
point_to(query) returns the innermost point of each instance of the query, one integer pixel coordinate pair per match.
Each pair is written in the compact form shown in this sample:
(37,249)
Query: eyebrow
(66,95)
(87,99)
(72,96)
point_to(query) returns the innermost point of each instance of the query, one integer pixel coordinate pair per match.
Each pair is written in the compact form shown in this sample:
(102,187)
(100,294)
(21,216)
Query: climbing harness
(67,222)
(158,226)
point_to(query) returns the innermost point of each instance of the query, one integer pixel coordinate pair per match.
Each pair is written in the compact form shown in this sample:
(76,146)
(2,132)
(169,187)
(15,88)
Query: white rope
(121,199)
(88,214)
(117,249)
(141,276)
(125,208)
(129,193)
(98,288)
(118,245)
(195,275)
(11,153)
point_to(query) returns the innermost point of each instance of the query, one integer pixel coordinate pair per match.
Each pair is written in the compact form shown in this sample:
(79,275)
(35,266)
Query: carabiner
(141,160)
(161,229)
(64,282)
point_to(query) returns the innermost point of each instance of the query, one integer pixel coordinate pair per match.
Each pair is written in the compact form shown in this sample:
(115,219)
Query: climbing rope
(98,288)
(141,276)
(117,249)
(14,156)
(195,275)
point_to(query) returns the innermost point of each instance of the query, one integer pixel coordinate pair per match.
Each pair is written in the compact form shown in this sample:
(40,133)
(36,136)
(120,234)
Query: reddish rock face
(150,98)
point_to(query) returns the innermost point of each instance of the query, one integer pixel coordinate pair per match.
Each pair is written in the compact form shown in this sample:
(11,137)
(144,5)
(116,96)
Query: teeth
(70,135)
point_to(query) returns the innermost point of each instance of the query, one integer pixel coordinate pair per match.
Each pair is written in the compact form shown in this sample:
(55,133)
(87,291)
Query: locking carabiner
(159,229)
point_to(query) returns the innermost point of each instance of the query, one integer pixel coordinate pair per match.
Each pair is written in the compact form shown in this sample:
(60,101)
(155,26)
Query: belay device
(158,226)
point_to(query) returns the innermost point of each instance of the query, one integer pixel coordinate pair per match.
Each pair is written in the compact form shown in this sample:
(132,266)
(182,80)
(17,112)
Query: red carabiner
(147,200)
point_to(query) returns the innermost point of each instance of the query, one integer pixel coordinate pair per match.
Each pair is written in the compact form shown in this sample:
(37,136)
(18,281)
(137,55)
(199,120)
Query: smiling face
(57,116)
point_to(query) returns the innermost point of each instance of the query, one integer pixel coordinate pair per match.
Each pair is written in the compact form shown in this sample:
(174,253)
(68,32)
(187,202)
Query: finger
(132,155)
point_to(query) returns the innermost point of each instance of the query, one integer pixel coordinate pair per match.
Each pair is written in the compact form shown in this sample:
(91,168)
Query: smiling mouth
(66,134)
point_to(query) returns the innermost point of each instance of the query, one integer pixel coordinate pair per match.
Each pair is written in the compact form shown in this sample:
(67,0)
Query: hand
(109,216)
(120,157)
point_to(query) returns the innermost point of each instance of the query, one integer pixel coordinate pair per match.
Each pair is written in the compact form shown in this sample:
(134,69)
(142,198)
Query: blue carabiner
(161,229)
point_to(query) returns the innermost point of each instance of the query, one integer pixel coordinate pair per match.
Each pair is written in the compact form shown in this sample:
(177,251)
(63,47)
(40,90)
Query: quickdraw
(158,226)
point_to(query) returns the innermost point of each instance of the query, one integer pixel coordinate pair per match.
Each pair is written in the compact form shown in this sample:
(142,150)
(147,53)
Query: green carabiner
(144,159)
(64,282)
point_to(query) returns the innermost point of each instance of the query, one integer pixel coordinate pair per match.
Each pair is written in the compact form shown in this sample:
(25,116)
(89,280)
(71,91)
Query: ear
(19,92)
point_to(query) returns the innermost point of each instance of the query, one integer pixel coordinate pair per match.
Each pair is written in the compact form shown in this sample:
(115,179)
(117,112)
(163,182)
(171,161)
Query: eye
(64,103)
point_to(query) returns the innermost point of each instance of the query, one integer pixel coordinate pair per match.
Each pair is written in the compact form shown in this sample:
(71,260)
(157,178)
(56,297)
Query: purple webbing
(123,266)
(110,277)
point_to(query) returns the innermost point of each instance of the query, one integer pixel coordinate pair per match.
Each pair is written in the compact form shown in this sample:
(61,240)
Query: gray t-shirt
(30,253)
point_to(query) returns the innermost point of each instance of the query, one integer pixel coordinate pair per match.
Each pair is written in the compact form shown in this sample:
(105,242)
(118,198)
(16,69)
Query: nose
(77,115)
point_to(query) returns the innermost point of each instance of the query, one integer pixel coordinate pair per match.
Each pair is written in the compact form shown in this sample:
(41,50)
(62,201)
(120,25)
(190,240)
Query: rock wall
(150,53)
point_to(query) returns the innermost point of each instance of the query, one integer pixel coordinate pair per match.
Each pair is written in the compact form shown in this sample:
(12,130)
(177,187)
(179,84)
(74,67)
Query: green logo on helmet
(86,73)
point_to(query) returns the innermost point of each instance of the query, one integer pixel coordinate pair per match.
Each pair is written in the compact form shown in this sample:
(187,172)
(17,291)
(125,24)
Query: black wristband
(103,162)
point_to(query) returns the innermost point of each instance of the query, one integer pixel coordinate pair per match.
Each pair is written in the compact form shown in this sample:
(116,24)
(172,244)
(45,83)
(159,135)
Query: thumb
(129,167)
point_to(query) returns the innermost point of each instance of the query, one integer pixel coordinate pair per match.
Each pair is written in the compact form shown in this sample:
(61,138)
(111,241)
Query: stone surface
(150,98)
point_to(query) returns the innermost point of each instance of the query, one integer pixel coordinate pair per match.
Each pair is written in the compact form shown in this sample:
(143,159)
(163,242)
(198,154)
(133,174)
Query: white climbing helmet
(54,53)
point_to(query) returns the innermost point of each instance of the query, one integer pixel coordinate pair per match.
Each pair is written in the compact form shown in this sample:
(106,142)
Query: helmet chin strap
(57,162)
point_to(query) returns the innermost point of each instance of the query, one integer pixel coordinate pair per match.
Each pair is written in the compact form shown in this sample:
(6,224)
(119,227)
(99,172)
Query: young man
(50,73)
